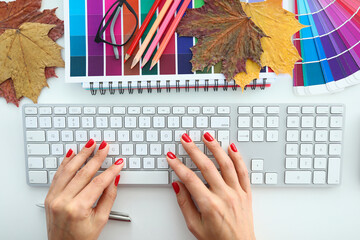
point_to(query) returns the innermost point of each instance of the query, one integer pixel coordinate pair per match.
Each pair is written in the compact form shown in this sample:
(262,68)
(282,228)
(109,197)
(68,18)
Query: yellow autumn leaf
(24,54)
(279,53)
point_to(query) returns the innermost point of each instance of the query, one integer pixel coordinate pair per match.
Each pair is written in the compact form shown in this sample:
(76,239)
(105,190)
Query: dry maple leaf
(24,54)
(12,15)
(225,34)
(280,25)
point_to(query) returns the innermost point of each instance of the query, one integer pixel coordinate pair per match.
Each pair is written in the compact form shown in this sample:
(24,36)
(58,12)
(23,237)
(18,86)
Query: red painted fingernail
(102,145)
(117,179)
(90,143)
(233,147)
(186,138)
(208,137)
(176,187)
(119,161)
(69,153)
(171,155)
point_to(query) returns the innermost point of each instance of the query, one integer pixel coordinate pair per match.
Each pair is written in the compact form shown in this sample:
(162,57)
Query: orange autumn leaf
(24,55)
(279,53)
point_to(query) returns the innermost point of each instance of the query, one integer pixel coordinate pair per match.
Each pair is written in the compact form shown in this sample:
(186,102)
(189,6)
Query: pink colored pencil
(170,33)
(161,31)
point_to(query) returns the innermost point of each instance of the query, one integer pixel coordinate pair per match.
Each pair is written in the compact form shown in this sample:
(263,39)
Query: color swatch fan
(330,46)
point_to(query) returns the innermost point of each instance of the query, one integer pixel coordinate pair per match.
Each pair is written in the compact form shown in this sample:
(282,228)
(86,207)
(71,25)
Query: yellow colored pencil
(151,32)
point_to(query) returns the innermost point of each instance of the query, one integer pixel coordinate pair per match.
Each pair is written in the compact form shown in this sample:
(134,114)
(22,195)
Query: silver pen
(114,215)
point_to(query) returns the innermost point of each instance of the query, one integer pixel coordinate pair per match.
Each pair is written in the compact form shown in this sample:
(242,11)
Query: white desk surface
(280,214)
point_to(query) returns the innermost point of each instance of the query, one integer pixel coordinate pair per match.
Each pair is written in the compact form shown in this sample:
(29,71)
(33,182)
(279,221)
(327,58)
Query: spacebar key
(144,177)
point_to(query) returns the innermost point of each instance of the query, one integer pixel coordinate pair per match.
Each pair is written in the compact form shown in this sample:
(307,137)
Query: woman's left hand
(74,191)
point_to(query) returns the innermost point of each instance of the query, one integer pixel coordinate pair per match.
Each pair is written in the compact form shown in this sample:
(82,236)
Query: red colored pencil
(142,29)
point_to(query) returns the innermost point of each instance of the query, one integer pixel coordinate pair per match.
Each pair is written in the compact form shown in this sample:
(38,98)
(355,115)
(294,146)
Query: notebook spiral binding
(130,89)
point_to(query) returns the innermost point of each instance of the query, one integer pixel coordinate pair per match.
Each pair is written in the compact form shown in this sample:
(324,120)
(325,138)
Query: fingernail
(117,179)
(186,138)
(102,145)
(208,137)
(171,155)
(69,153)
(176,187)
(119,161)
(90,143)
(233,147)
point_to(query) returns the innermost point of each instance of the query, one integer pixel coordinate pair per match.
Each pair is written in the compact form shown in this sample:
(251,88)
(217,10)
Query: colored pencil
(170,33)
(151,32)
(142,29)
(161,31)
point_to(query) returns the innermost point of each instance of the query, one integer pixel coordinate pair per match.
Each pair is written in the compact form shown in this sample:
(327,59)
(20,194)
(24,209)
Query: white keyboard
(282,145)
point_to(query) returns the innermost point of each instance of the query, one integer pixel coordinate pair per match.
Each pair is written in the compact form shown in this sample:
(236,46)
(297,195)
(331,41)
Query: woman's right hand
(224,210)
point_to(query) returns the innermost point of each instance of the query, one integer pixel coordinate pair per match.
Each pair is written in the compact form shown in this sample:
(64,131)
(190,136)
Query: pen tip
(127,56)
(152,65)
(134,63)
(143,63)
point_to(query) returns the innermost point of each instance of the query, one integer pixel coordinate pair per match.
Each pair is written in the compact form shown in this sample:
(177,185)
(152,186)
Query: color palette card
(330,46)
(88,61)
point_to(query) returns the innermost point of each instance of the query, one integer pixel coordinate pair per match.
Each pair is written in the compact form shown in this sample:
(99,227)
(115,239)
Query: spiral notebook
(94,65)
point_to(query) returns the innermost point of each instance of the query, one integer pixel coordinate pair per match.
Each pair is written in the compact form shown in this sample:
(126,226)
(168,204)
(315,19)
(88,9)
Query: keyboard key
(181,150)
(60,110)
(148,110)
(114,149)
(193,110)
(109,136)
(257,165)
(272,136)
(152,136)
(74,110)
(195,135)
(244,136)
(35,162)
(307,122)
(155,149)
(258,110)
(291,163)
(89,110)
(297,177)
(35,136)
(179,110)
(320,163)
(292,149)
(37,177)
(144,122)
(336,122)
(293,122)
(334,149)
(244,110)
(119,110)
(220,122)
(202,122)
(223,138)
(272,122)
(292,135)
(101,122)
(116,122)
(149,163)
(159,122)
(305,163)
(141,149)
(133,163)
(271,178)
(31,122)
(104,110)
(166,136)
(73,122)
(169,148)
(123,136)
(335,135)
(67,136)
(51,162)
(127,149)
(163,110)
(337,109)
(257,135)
(321,135)
(31,110)
(334,171)
(106,163)
(173,122)
(162,163)
(134,110)
(258,122)
(306,149)
(38,149)
(307,135)
(45,110)
(87,122)
(224,110)
(208,110)
(322,122)
(57,149)
(322,110)
(81,136)
(144,177)
(308,110)
(130,122)
(45,122)
(293,110)
(96,135)
(257,178)
(243,122)
(72,147)
(273,110)
(137,136)
(319,177)
(320,149)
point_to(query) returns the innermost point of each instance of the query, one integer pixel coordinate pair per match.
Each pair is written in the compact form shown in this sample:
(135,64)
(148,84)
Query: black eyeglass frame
(102,29)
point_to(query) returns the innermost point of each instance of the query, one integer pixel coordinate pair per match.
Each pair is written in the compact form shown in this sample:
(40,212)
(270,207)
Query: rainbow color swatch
(88,61)
(330,46)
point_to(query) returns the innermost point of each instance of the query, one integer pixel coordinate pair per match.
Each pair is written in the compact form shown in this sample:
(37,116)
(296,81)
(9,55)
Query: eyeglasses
(116,8)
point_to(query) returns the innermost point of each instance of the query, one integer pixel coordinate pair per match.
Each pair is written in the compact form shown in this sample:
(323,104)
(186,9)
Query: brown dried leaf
(225,35)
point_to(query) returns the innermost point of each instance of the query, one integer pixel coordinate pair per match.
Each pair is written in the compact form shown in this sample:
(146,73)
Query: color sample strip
(298,70)
(168,58)
(95,50)
(184,53)
(198,4)
(145,8)
(77,38)
(129,23)
(113,65)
